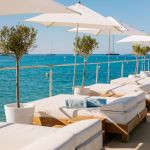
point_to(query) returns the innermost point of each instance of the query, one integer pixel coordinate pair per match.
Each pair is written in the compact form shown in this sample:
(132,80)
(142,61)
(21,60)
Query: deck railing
(144,62)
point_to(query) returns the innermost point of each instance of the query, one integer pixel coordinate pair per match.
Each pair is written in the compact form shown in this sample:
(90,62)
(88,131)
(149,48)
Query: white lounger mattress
(55,107)
(102,89)
(17,136)
(125,117)
(125,80)
(136,81)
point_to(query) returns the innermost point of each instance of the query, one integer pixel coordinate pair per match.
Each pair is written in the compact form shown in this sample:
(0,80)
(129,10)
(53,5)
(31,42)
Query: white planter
(81,91)
(23,115)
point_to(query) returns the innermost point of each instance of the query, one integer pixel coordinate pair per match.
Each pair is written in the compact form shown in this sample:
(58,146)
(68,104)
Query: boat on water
(113,53)
(51,54)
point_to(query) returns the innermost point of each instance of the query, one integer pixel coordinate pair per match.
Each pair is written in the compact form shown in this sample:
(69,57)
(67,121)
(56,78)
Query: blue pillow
(76,103)
(95,102)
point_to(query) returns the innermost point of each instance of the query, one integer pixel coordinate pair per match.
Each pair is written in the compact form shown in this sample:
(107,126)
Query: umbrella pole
(108,75)
(75,62)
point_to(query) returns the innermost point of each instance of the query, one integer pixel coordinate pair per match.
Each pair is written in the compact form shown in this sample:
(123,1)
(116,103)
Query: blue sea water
(34,84)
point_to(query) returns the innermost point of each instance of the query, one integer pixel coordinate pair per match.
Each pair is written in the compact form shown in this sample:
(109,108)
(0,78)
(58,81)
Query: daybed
(81,135)
(127,80)
(119,111)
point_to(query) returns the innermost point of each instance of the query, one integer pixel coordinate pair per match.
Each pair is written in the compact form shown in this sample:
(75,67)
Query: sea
(34,83)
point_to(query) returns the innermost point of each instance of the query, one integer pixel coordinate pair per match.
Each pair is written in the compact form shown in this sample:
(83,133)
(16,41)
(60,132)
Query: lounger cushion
(125,80)
(83,130)
(69,137)
(57,141)
(95,102)
(124,103)
(76,103)
(144,81)
(17,136)
(102,89)
(125,117)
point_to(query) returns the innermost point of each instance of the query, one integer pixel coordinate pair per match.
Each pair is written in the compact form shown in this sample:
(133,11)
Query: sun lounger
(85,134)
(112,90)
(136,81)
(119,110)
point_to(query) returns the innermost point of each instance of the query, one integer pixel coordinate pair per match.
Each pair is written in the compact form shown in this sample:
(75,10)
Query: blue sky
(133,12)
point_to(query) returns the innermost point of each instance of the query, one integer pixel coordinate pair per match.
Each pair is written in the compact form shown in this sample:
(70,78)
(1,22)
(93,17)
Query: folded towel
(76,103)
(95,102)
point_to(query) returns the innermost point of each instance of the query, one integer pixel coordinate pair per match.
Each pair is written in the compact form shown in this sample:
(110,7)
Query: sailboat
(113,51)
(51,51)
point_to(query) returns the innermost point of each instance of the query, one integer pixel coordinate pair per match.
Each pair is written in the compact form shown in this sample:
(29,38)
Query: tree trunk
(17,84)
(137,64)
(84,72)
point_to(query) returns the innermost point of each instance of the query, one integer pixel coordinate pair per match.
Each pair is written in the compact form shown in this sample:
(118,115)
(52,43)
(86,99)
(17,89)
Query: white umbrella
(124,29)
(87,19)
(141,39)
(13,7)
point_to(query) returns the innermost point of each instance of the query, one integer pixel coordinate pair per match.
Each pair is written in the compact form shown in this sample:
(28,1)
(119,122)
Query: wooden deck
(139,139)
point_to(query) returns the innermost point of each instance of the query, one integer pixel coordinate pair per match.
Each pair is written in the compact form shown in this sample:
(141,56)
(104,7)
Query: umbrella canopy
(87,19)
(124,29)
(136,39)
(13,7)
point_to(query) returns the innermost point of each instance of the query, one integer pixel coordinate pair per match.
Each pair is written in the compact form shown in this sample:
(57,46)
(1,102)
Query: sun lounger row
(81,135)
(118,110)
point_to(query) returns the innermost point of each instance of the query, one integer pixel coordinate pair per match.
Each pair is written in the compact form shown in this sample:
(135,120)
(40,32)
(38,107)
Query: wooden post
(97,73)
(51,81)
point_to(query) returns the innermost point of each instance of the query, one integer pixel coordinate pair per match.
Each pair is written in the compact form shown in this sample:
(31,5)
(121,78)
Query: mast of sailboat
(113,43)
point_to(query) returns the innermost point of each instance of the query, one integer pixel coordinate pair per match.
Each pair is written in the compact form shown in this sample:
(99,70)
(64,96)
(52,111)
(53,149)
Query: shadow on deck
(139,139)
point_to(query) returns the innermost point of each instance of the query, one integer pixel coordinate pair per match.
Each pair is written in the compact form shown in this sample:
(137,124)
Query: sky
(58,40)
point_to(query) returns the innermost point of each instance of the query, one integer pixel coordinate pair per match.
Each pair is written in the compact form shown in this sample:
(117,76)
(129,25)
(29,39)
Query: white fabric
(135,39)
(124,30)
(124,103)
(98,89)
(10,7)
(83,130)
(57,141)
(17,136)
(73,20)
(125,80)
(125,117)
(96,144)
(117,89)
(30,137)
(145,80)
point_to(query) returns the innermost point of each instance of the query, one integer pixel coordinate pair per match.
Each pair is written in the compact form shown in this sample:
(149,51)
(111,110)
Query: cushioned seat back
(102,89)
(70,137)
(84,130)
(125,80)
(124,103)
(57,141)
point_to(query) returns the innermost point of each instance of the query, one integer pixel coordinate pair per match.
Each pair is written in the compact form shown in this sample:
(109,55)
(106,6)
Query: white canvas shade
(14,7)
(136,39)
(87,19)
(124,29)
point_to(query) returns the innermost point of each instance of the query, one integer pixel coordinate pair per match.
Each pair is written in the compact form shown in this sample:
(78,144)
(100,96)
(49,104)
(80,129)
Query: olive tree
(85,46)
(17,41)
(139,50)
(136,51)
